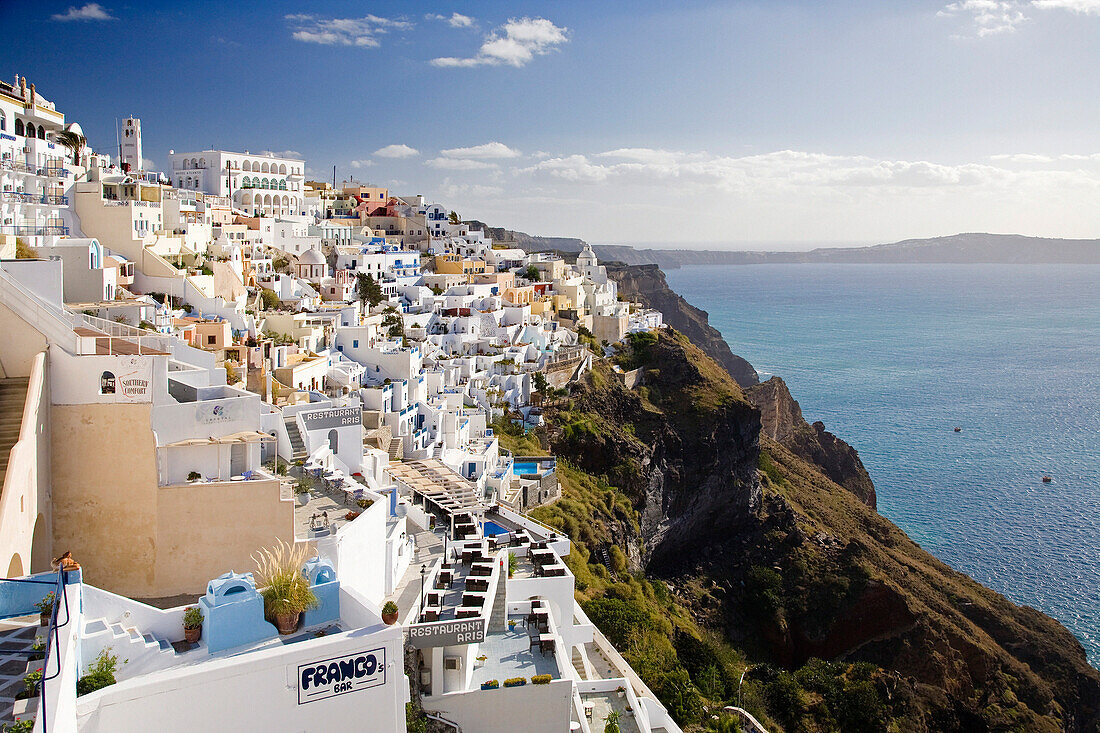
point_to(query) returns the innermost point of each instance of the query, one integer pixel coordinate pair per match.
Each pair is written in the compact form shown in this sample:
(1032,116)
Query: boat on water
(958,430)
(1047,479)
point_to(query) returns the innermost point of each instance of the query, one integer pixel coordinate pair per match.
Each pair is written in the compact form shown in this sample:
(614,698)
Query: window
(211,340)
(107,383)
(355,344)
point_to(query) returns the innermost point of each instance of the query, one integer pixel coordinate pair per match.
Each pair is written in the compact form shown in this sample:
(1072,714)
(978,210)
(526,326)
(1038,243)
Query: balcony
(35,231)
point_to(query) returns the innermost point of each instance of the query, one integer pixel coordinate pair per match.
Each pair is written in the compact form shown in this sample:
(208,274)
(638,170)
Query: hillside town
(250,448)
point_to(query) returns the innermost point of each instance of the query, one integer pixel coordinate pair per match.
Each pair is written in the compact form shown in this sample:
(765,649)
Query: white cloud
(89,11)
(1084,7)
(451,190)
(397,151)
(362,32)
(493,150)
(148,164)
(988,17)
(360,164)
(456,20)
(459,164)
(515,43)
(282,153)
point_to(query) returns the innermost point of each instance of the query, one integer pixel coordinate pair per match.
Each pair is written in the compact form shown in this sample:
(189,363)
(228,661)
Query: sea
(892,358)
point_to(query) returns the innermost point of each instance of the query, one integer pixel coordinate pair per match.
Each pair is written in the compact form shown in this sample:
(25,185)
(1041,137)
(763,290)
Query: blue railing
(61,599)
(35,231)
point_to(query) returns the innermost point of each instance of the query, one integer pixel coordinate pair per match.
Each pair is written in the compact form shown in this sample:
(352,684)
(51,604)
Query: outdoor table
(467,612)
(477,584)
(474,598)
(542,557)
(430,614)
(481,568)
(553,571)
(445,578)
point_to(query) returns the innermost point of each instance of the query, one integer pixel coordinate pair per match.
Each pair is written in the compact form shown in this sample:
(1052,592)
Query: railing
(56,324)
(61,598)
(35,231)
(34,198)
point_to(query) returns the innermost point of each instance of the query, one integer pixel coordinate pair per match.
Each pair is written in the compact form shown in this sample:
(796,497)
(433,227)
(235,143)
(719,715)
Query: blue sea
(893,357)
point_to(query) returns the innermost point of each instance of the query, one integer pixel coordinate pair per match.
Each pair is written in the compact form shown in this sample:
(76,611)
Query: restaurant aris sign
(327,678)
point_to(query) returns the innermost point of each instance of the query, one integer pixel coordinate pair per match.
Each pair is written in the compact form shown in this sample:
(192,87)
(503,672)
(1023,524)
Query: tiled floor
(15,633)
(510,654)
(605,702)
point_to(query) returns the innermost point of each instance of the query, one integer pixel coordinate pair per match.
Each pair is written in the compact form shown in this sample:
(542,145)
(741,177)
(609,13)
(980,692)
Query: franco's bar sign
(336,417)
(340,675)
(447,633)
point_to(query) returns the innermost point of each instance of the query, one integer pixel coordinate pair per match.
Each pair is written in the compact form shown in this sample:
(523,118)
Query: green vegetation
(100,674)
(452,218)
(369,291)
(532,274)
(415,719)
(281,264)
(270,299)
(393,323)
(74,141)
(279,572)
(192,618)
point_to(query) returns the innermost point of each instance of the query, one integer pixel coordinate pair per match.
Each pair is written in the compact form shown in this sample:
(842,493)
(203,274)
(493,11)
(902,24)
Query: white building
(131,144)
(257,184)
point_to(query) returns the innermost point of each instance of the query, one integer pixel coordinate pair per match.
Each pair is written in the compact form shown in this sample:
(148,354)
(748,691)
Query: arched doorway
(40,546)
(332,442)
(15,567)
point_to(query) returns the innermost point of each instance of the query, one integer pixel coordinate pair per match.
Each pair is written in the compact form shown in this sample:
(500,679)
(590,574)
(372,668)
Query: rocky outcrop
(763,547)
(647,285)
(781,420)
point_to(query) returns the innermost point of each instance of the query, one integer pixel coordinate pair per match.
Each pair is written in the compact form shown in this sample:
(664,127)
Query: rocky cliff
(751,553)
(781,420)
(647,285)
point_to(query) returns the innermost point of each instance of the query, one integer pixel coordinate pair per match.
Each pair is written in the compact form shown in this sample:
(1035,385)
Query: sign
(337,417)
(129,381)
(447,633)
(210,412)
(327,678)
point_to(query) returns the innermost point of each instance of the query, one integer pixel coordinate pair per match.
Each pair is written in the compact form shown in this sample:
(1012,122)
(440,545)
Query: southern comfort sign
(327,678)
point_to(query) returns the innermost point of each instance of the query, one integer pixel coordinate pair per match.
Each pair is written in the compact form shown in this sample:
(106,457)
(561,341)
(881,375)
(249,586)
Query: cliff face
(765,549)
(646,284)
(782,421)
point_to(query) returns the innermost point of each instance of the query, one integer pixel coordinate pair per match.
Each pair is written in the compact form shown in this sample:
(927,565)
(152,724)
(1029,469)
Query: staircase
(396,449)
(297,445)
(498,618)
(13,397)
(144,652)
(578,664)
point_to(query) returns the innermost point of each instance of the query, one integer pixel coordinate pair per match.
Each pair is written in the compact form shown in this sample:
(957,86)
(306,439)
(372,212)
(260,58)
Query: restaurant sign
(337,417)
(340,675)
(447,633)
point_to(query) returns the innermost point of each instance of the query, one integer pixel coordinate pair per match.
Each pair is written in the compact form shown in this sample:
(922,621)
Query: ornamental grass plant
(279,573)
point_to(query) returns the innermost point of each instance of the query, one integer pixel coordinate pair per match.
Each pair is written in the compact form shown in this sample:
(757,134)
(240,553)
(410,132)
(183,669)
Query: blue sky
(738,122)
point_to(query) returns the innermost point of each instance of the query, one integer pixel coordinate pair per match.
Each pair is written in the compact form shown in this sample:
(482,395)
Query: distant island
(972,248)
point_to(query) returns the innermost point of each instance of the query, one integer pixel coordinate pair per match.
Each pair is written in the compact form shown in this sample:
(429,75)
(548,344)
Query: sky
(762,124)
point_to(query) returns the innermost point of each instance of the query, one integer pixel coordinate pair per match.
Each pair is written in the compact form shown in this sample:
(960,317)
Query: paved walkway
(429,548)
(15,633)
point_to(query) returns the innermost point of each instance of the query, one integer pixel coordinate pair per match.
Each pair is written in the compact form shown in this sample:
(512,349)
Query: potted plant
(194,476)
(541,679)
(481,658)
(611,724)
(192,624)
(286,591)
(513,563)
(302,492)
(364,503)
(515,682)
(389,613)
(621,690)
(490,685)
(45,608)
(30,683)
(21,725)
(511,624)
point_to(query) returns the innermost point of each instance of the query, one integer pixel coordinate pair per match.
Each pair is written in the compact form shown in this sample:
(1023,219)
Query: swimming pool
(525,467)
(492,529)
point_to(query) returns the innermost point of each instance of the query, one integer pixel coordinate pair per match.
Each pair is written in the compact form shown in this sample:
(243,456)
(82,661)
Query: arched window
(282,169)
(41,133)
(18,126)
(247,165)
(106,383)
(30,130)
(282,186)
(3,121)
(267,200)
(202,162)
(246,182)
(332,441)
(264,168)
(267,183)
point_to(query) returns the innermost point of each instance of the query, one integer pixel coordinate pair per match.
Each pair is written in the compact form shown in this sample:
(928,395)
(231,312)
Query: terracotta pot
(44,619)
(287,623)
(192,635)
(389,618)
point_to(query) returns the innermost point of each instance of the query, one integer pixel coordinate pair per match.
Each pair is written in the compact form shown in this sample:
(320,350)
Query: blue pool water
(492,529)
(892,357)
(527,467)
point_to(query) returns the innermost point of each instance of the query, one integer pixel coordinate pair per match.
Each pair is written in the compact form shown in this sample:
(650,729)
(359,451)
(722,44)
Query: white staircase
(142,652)
(297,445)
(396,449)
(13,395)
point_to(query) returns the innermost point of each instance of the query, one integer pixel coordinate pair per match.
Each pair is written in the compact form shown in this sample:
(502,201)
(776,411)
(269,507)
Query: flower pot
(192,635)
(303,498)
(44,619)
(287,623)
(389,618)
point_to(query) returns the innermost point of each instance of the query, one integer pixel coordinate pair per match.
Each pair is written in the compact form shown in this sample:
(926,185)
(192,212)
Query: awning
(247,436)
